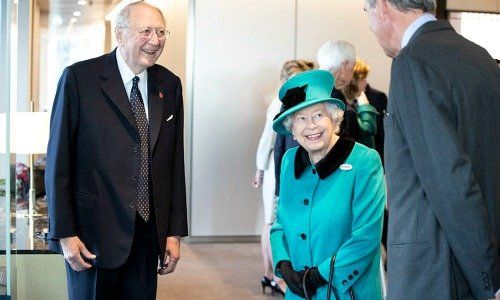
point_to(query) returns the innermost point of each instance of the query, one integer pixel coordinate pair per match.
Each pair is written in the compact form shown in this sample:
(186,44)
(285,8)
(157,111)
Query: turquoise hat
(303,90)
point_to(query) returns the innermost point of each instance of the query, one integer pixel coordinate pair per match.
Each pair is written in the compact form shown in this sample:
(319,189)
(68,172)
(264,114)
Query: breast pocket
(84,199)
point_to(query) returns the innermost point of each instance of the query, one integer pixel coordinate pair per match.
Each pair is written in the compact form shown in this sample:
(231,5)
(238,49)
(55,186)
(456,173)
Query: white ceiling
(94,11)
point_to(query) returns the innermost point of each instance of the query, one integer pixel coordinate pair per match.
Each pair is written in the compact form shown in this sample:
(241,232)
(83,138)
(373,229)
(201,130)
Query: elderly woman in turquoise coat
(332,195)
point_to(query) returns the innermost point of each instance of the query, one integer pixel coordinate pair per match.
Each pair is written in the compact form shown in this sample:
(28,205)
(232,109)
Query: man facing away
(441,156)
(115,165)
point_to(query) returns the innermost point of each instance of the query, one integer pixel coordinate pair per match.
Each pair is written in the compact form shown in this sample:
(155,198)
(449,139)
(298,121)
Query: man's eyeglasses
(147,32)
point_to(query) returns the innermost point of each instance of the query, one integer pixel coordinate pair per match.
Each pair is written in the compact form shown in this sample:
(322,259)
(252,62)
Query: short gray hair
(334,53)
(336,114)
(427,6)
(123,17)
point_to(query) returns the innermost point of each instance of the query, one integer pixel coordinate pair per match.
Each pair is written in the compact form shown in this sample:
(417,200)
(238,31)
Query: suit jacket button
(135,150)
(303,236)
(484,275)
(133,179)
(355,272)
(350,277)
(306,202)
(131,206)
(344,282)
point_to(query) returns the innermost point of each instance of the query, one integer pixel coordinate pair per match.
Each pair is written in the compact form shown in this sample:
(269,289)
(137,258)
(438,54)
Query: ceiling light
(73,20)
(82,2)
(77,13)
(57,20)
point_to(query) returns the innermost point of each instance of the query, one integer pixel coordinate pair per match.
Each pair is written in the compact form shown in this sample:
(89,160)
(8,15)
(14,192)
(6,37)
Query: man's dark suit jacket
(379,100)
(93,159)
(442,165)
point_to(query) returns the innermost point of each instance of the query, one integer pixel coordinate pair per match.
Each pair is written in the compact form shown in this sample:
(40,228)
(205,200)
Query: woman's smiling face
(313,128)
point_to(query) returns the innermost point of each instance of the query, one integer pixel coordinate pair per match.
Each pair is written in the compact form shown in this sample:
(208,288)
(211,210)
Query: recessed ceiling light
(73,20)
(77,13)
(82,2)
(57,20)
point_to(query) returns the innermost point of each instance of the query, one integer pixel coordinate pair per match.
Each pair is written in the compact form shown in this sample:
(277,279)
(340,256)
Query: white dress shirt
(127,76)
(414,26)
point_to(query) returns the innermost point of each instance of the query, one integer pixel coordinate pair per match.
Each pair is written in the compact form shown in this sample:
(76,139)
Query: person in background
(285,142)
(356,100)
(442,157)
(339,58)
(329,218)
(115,165)
(265,176)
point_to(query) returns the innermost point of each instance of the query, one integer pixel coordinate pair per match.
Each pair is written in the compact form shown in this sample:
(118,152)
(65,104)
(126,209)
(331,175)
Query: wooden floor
(216,271)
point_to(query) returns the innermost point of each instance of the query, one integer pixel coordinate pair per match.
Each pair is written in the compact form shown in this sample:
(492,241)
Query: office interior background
(228,55)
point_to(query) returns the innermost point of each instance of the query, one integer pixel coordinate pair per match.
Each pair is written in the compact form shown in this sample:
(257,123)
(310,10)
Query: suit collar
(155,105)
(430,27)
(414,26)
(328,164)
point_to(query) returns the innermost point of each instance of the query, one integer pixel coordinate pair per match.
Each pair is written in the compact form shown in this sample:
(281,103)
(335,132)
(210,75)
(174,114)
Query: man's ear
(383,9)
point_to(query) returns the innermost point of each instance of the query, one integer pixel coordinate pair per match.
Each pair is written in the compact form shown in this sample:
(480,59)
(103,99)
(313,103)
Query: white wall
(321,20)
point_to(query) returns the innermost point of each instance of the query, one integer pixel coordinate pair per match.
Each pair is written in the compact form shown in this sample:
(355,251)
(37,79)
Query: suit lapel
(155,107)
(114,89)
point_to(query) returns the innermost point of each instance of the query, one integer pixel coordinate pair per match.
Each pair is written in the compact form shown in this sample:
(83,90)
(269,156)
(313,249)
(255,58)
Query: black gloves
(294,279)
(313,280)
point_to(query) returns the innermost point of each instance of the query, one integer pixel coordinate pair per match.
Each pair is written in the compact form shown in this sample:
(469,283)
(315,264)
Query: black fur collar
(328,164)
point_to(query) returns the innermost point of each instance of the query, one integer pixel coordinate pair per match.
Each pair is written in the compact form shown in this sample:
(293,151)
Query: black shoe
(266,282)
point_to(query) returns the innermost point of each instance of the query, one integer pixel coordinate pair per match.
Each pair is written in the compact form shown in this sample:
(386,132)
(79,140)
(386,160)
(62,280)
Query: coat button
(306,202)
(314,171)
(135,150)
(131,206)
(355,272)
(132,178)
(350,277)
(303,236)
(344,282)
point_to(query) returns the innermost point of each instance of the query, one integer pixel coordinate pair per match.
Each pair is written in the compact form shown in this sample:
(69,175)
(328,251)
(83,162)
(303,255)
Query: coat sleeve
(427,118)
(279,244)
(63,128)
(267,139)
(178,212)
(359,251)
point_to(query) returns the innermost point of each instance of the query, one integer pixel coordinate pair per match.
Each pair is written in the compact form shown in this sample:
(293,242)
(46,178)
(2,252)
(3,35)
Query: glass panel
(481,28)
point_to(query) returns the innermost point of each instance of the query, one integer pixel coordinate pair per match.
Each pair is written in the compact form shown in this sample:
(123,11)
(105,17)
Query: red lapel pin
(160,94)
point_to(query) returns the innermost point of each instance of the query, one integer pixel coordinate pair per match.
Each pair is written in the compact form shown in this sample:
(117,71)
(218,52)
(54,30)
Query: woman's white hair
(336,114)
(334,53)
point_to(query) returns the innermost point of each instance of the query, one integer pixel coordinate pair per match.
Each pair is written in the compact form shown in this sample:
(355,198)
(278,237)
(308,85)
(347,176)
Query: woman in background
(356,100)
(265,175)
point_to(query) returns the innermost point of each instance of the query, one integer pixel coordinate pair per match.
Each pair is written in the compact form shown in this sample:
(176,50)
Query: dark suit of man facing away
(94,160)
(441,156)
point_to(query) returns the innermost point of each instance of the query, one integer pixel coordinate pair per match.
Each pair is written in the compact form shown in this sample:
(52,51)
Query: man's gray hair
(336,114)
(427,6)
(333,53)
(123,17)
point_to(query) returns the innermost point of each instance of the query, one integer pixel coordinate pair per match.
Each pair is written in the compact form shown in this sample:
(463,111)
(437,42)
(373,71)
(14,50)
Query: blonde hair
(361,70)
(294,66)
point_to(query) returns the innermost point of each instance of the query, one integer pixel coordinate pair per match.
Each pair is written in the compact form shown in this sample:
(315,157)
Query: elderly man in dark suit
(115,167)
(441,156)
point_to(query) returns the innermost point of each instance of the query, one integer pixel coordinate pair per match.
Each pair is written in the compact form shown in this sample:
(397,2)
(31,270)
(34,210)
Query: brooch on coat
(345,167)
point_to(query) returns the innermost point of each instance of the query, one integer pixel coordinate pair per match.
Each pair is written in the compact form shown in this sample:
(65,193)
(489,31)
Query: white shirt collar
(125,71)
(414,26)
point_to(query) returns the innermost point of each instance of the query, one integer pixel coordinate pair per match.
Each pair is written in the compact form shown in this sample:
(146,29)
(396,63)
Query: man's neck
(402,20)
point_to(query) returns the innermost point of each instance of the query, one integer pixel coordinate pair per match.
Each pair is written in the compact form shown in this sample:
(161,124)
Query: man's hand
(73,249)
(172,255)
(258,177)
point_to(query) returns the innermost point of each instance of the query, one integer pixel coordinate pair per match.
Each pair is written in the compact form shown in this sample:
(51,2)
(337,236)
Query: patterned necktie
(143,127)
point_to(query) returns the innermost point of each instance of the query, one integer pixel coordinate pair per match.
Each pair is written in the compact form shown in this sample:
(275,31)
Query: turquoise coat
(333,208)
